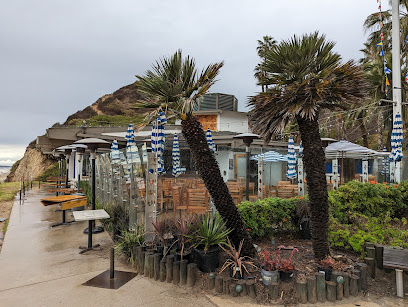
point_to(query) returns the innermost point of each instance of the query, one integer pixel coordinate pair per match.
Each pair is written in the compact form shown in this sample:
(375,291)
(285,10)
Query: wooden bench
(395,258)
(67,202)
(287,191)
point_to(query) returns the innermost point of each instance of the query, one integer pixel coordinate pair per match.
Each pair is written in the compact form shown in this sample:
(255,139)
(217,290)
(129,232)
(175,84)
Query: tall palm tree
(264,46)
(305,76)
(173,85)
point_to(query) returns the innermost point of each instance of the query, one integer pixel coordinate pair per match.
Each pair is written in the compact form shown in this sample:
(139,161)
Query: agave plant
(211,231)
(235,261)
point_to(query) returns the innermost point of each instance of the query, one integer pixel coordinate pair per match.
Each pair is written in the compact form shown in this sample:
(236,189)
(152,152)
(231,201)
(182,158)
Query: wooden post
(156,266)
(191,274)
(211,281)
(311,289)
(301,289)
(368,244)
(244,291)
(320,287)
(219,284)
(370,252)
(163,270)
(340,291)
(370,267)
(135,258)
(183,272)
(146,263)
(141,261)
(358,274)
(354,285)
(151,266)
(251,289)
(169,268)
(331,291)
(273,290)
(176,272)
(346,284)
(227,282)
(137,252)
(232,290)
(363,275)
(379,252)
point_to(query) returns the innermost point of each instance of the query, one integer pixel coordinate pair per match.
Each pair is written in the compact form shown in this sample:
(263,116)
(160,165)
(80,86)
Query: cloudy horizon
(58,57)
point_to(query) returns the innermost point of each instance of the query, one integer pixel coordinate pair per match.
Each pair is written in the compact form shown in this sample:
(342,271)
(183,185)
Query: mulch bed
(305,265)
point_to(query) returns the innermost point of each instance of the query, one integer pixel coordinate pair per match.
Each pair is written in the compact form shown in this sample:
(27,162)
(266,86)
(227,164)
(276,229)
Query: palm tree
(173,85)
(264,46)
(305,76)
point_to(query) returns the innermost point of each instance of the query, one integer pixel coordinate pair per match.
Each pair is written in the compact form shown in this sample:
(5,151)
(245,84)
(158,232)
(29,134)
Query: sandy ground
(3,177)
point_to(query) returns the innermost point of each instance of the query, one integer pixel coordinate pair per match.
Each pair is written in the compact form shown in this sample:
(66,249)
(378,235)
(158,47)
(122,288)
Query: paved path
(41,266)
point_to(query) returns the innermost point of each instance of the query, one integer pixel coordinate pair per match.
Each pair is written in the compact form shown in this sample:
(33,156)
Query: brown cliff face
(34,163)
(119,102)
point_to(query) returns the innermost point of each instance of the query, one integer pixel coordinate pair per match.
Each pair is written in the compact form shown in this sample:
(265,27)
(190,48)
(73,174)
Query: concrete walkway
(41,266)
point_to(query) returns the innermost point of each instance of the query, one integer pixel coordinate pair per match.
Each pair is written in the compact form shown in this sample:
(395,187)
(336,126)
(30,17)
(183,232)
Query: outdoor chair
(178,204)
(166,199)
(197,201)
(235,190)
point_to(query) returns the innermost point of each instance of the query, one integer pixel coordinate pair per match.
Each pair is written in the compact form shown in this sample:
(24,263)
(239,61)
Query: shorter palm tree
(304,76)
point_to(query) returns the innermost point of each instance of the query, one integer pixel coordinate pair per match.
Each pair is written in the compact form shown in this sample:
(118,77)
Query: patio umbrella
(396,139)
(115,154)
(176,157)
(210,141)
(131,149)
(291,173)
(158,141)
(271,156)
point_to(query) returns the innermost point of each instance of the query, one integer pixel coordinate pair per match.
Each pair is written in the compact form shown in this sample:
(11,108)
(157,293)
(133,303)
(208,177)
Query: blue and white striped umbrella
(271,156)
(115,154)
(291,173)
(176,156)
(158,141)
(210,141)
(385,163)
(131,149)
(396,139)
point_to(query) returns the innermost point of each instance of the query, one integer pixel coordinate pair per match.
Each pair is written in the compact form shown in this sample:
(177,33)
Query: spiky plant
(305,76)
(173,85)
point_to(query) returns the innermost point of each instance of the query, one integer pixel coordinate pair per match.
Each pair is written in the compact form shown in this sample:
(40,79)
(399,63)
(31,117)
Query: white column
(260,177)
(300,176)
(396,73)
(335,172)
(365,170)
(399,282)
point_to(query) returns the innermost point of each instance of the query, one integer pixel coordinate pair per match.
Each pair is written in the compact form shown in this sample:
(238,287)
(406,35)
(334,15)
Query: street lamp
(247,138)
(93,144)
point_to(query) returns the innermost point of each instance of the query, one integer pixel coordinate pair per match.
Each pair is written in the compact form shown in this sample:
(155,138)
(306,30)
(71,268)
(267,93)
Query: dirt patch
(5,211)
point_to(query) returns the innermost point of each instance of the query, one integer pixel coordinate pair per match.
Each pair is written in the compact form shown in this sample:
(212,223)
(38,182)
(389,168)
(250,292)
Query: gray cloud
(60,56)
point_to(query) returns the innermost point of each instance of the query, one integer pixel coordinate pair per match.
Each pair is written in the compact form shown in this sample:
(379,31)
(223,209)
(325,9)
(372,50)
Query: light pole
(247,138)
(93,144)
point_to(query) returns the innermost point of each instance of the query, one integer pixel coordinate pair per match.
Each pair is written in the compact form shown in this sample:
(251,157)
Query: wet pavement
(41,266)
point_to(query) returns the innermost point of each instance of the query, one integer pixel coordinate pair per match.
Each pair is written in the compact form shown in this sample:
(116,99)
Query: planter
(238,273)
(305,229)
(269,276)
(207,262)
(286,276)
(327,272)
(187,255)
(160,249)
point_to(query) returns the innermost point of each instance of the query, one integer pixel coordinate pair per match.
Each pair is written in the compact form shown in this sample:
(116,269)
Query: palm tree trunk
(209,171)
(314,161)
(380,123)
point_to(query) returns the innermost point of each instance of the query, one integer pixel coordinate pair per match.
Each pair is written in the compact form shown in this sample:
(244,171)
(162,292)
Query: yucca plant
(173,85)
(236,262)
(128,239)
(211,231)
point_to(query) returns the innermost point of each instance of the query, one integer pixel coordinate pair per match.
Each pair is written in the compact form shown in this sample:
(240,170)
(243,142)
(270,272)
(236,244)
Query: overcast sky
(59,56)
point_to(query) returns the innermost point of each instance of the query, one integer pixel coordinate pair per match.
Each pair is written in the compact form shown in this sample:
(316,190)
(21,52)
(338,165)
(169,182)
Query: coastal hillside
(111,109)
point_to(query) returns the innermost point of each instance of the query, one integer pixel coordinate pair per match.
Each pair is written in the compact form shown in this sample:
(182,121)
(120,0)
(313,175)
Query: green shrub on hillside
(108,120)
(49,172)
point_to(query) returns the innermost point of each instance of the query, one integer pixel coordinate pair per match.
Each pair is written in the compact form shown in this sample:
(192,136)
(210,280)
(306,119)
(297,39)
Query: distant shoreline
(4,171)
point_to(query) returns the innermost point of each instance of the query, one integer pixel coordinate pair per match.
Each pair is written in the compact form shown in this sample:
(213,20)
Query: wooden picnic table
(67,202)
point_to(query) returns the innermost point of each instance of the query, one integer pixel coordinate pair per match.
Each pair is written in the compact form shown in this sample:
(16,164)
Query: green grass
(8,190)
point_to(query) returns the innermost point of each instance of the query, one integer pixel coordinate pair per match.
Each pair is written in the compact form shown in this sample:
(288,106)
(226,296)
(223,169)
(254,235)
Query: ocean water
(4,169)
